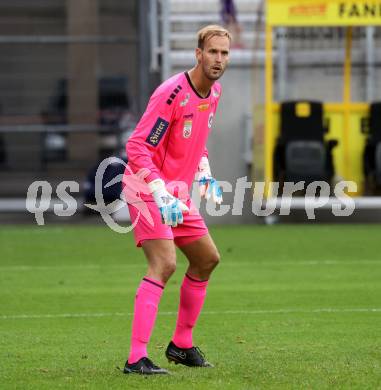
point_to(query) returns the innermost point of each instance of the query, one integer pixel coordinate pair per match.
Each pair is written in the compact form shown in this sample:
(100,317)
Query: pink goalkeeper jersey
(171,136)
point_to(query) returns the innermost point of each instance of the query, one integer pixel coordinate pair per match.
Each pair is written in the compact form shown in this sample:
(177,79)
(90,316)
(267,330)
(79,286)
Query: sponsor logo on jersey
(210,120)
(216,93)
(187,130)
(184,102)
(173,94)
(203,106)
(188,116)
(157,131)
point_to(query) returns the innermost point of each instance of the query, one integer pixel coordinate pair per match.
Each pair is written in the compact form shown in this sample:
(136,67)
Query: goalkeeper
(169,143)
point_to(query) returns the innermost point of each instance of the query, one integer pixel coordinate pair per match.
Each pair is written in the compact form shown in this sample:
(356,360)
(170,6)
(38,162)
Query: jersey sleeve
(150,133)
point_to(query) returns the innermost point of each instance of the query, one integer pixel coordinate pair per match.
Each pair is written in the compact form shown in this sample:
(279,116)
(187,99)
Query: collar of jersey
(194,89)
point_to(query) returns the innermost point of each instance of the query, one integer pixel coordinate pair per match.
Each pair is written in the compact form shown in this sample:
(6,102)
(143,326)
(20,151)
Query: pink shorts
(147,217)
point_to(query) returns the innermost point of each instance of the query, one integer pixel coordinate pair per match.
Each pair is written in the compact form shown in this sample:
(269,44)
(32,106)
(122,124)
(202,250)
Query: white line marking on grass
(17,268)
(172,313)
(67,267)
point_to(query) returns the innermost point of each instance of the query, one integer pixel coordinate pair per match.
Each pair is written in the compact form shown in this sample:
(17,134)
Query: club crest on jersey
(210,120)
(203,106)
(184,102)
(187,130)
(157,131)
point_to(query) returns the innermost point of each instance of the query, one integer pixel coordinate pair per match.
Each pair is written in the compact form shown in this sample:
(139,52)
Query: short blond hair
(210,31)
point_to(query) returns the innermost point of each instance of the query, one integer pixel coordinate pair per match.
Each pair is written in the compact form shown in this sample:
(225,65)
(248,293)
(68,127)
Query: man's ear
(198,52)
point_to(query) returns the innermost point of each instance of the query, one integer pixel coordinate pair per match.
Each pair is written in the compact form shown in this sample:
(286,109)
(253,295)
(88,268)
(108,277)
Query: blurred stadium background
(75,77)
(293,306)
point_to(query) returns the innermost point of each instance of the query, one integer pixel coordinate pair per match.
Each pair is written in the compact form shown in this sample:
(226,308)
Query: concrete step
(203,18)
(187,40)
(16,183)
(24,210)
(332,57)
(201,6)
(181,58)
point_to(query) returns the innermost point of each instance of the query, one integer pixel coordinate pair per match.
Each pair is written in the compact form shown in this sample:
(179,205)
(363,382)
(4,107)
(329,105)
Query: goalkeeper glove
(171,208)
(207,185)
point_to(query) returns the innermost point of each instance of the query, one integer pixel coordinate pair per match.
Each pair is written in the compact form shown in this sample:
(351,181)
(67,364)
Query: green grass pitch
(289,307)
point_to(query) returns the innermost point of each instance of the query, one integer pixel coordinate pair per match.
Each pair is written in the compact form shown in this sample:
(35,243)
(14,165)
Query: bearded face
(214,57)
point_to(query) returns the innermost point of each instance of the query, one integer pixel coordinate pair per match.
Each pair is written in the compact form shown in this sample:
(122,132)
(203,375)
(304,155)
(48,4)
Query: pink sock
(146,303)
(192,298)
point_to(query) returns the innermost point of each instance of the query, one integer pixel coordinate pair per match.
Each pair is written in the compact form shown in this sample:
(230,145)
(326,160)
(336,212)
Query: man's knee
(161,260)
(169,266)
(164,266)
(214,259)
(209,262)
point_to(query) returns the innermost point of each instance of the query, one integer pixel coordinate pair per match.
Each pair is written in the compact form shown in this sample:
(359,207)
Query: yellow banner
(324,12)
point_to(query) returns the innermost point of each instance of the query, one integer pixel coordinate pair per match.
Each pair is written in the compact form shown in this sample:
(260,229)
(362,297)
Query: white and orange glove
(207,185)
(171,208)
